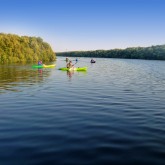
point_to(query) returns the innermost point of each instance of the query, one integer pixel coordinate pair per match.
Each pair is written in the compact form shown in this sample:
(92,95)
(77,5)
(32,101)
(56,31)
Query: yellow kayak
(43,66)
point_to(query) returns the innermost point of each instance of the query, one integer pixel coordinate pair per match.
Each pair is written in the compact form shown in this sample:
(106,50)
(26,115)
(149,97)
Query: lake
(112,114)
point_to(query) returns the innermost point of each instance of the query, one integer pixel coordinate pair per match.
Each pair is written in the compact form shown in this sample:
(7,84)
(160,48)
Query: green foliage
(14,49)
(149,53)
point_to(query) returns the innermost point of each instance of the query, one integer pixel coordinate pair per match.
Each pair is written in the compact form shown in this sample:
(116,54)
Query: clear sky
(69,25)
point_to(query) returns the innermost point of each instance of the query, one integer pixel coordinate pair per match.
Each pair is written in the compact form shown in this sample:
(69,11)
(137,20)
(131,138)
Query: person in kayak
(67,59)
(92,60)
(40,62)
(69,65)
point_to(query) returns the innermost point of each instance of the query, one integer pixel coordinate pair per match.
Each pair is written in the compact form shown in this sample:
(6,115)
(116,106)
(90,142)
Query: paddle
(75,63)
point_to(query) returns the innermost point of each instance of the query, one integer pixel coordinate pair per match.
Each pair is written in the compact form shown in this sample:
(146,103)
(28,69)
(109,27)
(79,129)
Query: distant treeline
(149,53)
(14,48)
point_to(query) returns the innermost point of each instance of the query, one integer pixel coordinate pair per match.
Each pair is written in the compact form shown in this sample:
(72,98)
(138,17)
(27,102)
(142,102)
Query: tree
(14,48)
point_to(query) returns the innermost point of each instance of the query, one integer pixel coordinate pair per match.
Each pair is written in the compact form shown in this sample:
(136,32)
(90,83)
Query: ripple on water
(112,114)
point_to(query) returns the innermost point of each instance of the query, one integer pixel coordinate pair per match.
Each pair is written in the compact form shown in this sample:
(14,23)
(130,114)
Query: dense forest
(149,53)
(14,49)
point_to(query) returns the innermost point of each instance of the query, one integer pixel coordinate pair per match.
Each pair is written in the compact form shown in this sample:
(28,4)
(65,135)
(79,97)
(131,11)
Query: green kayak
(43,66)
(74,69)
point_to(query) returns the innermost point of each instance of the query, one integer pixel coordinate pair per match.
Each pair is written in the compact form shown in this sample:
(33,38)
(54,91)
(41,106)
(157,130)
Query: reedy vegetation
(16,49)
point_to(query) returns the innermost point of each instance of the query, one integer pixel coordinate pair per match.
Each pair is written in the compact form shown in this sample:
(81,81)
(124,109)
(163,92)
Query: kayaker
(69,65)
(67,59)
(92,60)
(40,62)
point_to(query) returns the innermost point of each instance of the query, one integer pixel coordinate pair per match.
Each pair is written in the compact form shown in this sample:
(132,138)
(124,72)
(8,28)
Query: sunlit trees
(14,48)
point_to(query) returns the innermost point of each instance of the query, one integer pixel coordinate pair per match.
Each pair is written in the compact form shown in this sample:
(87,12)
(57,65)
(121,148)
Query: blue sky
(69,25)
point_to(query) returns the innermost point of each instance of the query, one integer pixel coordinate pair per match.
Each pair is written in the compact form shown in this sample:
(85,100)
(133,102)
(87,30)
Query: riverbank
(148,53)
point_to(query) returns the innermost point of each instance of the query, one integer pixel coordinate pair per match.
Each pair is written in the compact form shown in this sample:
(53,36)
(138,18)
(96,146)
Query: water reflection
(70,74)
(40,72)
(14,76)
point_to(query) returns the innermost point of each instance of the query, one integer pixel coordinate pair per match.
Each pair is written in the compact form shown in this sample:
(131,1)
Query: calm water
(112,114)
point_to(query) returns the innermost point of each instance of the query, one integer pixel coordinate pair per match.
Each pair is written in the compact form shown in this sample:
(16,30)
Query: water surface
(112,114)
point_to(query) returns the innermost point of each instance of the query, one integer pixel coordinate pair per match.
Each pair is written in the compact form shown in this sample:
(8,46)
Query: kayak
(93,61)
(43,66)
(49,66)
(74,69)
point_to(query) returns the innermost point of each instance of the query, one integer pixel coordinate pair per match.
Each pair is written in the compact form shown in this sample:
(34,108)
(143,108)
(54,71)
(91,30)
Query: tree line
(14,49)
(150,53)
